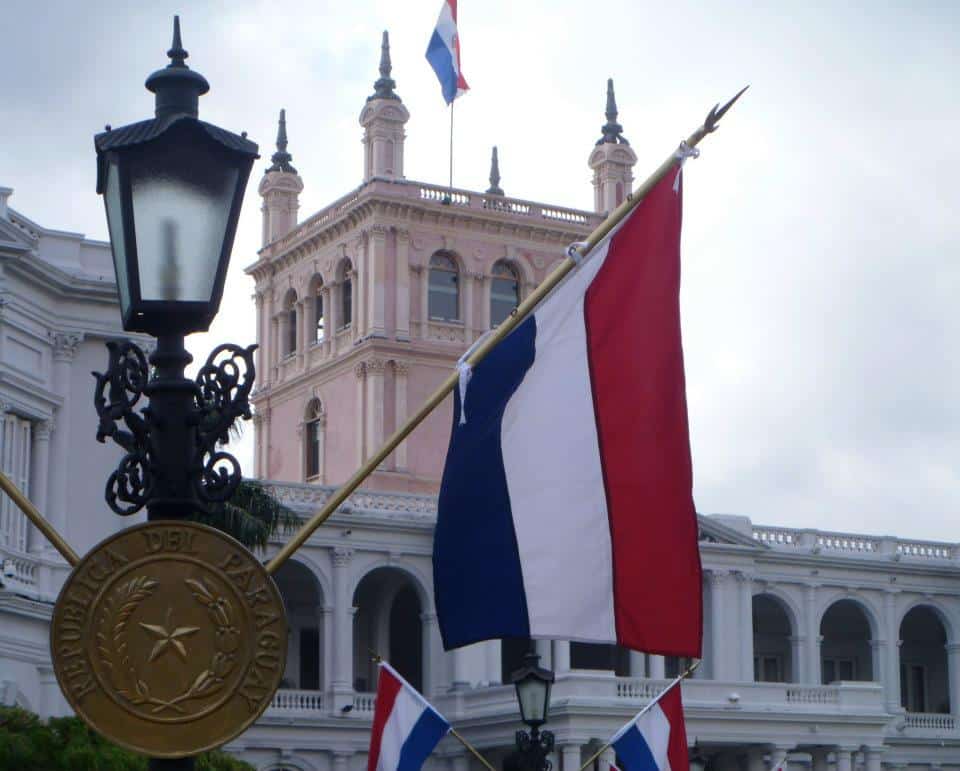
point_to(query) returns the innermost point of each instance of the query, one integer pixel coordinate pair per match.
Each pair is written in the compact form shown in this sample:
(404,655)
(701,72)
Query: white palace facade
(822,651)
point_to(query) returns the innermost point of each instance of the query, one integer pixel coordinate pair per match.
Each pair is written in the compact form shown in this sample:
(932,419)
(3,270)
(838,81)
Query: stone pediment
(11,237)
(712,531)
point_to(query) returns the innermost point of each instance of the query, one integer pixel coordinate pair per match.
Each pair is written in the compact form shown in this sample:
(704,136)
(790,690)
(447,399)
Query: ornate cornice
(341,556)
(65,344)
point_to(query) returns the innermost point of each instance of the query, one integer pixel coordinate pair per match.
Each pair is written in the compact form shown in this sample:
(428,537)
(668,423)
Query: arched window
(772,633)
(504,292)
(319,321)
(924,669)
(303,600)
(346,295)
(443,301)
(290,324)
(846,652)
(313,437)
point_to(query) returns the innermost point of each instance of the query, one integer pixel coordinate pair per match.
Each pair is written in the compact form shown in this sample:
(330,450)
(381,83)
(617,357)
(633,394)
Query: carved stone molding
(42,430)
(376,366)
(401,368)
(360,370)
(342,556)
(65,344)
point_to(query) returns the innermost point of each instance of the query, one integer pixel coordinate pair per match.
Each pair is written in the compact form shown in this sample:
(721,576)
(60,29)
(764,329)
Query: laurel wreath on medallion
(114,652)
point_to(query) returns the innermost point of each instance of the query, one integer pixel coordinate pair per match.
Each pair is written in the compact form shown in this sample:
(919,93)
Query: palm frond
(252,516)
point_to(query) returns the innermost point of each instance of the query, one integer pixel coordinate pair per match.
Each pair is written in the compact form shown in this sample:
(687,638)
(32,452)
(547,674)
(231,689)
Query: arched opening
(504,291)
(345,275)
(303,600)
(319,318)
(313,439)
(387,622)
(290,323)
(924,676)
(772,649)
(597,656)
(845,651)
(443,297)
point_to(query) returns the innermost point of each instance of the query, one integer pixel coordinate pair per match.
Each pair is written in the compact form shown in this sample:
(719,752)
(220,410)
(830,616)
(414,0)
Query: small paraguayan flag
(443,53)
(656,739)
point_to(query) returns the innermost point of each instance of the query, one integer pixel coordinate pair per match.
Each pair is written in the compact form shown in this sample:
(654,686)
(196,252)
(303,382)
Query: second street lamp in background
(533,684)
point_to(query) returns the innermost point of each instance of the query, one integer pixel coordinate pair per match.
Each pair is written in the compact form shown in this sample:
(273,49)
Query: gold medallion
(169,638)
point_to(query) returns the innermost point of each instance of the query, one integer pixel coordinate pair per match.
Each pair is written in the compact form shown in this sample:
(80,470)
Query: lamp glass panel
(115,225)
(532,695)
(181,201)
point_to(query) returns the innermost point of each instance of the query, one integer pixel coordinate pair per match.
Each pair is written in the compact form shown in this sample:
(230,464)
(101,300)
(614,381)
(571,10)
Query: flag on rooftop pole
(405,728)
(565,509)
(443,53)
(656,739)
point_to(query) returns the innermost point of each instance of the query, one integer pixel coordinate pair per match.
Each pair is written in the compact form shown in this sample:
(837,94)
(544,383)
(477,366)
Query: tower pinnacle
(494,188)
(612,131)
(383,88)
(281,159)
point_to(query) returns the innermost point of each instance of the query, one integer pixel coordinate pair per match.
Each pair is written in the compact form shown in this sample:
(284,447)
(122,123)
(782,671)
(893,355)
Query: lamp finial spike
(176,53)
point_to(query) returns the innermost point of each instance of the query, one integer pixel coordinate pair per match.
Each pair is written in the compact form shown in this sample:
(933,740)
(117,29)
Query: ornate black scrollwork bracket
(533,749)
(183,427)
(224,384)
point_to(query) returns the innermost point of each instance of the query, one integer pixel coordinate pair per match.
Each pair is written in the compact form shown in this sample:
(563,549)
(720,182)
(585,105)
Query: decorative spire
(281,158)
(494,188)
(612,131)
(383,88)
(176,53)
(177,87)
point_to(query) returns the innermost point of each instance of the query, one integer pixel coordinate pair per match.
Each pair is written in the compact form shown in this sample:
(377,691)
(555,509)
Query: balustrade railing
(813,695)
(936,721)
(364,703)
(821,541)
(286,700)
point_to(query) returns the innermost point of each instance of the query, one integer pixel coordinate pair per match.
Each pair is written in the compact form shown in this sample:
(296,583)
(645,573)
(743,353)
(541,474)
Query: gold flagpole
(24,504)
(476,753)
(507,326)
(682,676)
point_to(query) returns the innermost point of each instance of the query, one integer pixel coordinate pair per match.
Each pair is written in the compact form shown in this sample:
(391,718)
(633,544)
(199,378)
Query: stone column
(544,651)
(432,653)
(64,347)
(40,479)
(797,663)
(460,763)
(357,309)
(561,656)
(812,625)
(376,370)
(377,280)
(469,280)
(638,664)
(718,648)
(341,760)
(342,685)
(745,592)
(331,320)
(274,348)
(269,339)
(424,274)
(486,286)
(570,757)
(657,666)
(891,652)
(402,282)
(326,621)
(360,370)
(953,673)
(304,314)
(845,758)
(872,758)
(400,372)
(257,441)
(261,335)
(460,668)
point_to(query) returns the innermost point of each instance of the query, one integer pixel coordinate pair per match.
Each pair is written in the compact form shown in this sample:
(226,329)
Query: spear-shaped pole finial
(494,188)
(611,102)
(383,88)
(281,158)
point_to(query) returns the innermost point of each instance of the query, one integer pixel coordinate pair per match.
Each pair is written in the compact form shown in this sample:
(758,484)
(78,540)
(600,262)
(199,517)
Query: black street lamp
(172,188)
(533,684)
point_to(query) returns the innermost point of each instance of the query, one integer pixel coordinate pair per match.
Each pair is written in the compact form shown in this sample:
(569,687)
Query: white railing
(18,568)
(444,195)
(820,541)
(935,721)
(564,215)
(363,703)
(297,701)
(813,695)
(638,689)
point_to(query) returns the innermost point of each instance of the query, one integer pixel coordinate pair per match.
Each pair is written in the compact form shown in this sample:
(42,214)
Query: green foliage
(251,516)
(66,744)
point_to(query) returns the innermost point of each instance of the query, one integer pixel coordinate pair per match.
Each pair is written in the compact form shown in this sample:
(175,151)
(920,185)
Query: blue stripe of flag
(426,734)
(633,752)
(478,583)
(441,60)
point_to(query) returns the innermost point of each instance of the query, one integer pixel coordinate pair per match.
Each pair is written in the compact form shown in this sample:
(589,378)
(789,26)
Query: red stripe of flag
(387,689)
(632,317)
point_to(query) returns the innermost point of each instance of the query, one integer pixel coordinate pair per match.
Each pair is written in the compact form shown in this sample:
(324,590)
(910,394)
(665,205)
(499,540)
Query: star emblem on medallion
(168,636)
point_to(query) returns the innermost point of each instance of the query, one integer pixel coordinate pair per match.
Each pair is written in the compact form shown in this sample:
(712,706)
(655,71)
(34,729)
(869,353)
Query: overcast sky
(820,233)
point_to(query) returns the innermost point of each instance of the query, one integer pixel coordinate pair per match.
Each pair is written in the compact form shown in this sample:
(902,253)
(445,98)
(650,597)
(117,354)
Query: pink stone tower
(364,307)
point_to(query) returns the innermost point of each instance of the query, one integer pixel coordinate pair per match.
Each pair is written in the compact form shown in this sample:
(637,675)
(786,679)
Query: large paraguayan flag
(565,509)
(655,740)
(405,727)
(443,53)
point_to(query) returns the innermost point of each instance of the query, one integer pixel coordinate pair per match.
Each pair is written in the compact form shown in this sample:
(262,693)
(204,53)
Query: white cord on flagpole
(466,372)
